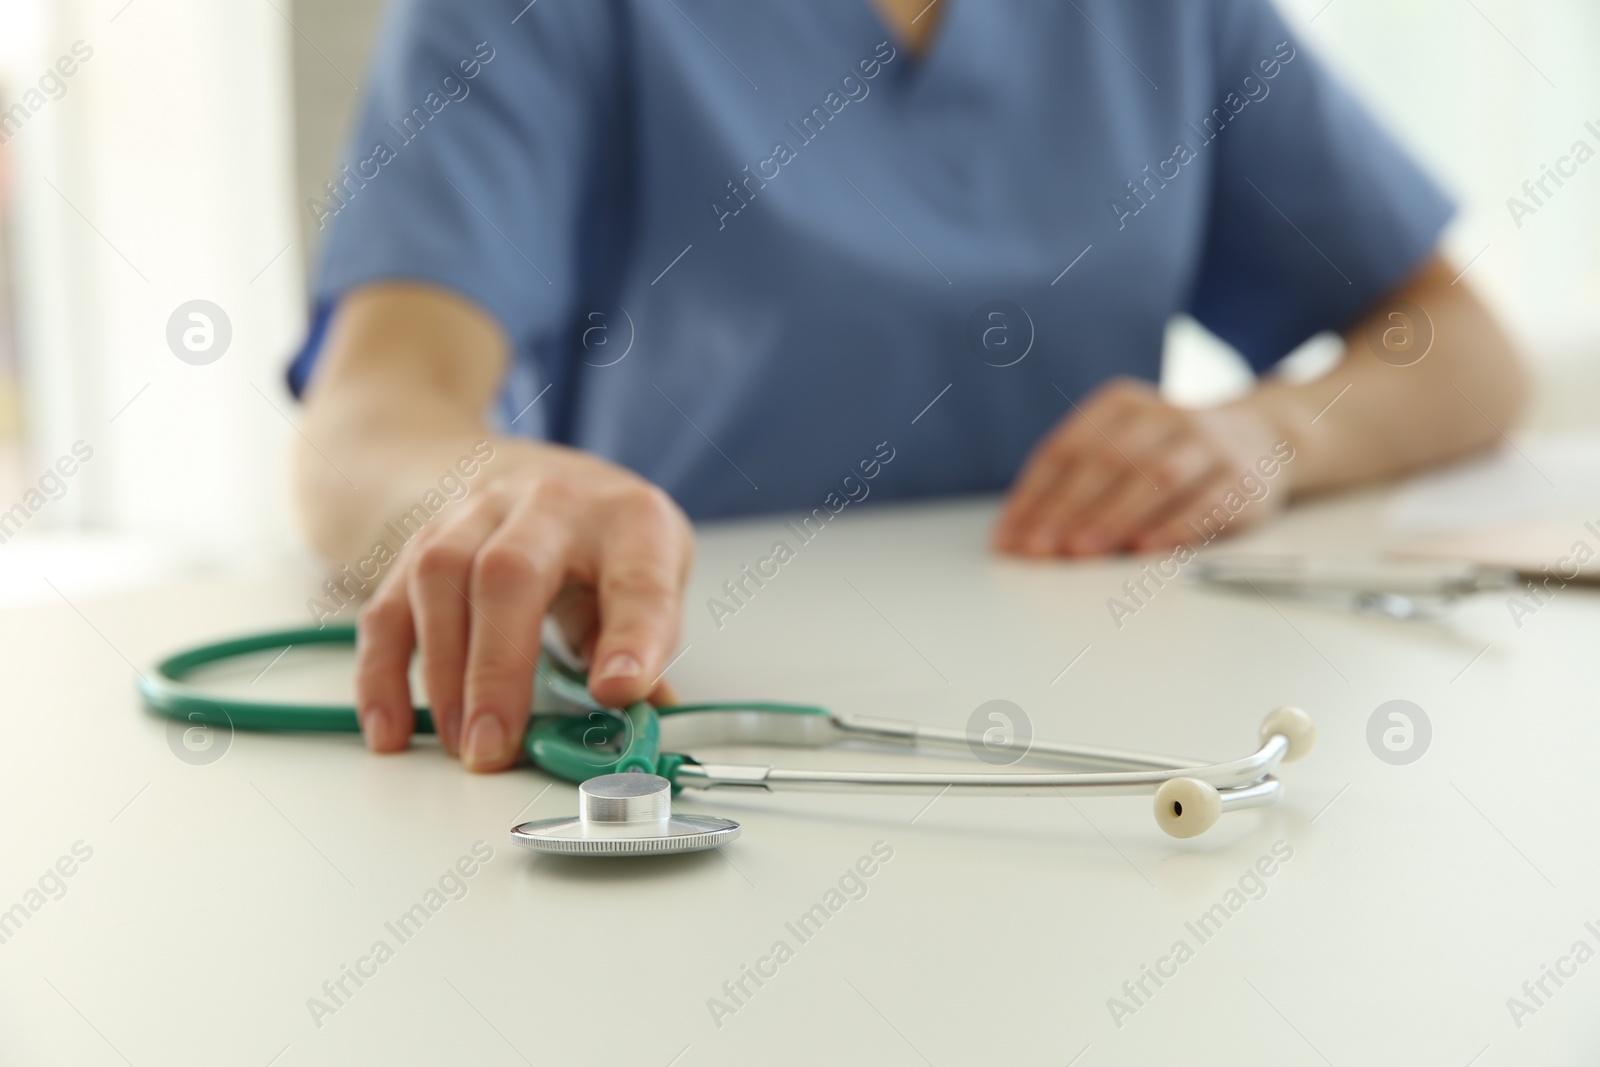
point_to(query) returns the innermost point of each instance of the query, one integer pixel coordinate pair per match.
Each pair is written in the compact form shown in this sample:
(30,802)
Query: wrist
(1283,423)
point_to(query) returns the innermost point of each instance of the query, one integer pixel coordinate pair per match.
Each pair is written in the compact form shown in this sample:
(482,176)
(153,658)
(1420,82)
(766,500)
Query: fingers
(1080,481)
(1040,472)
(1165,478)
(384,640)
(1047,467)
(1115,470)
(1200,516)
(664,695)
(1100,448)
(644,562)
(578,616)
(516,573)
(597,549)
(1129,471)
(438,580)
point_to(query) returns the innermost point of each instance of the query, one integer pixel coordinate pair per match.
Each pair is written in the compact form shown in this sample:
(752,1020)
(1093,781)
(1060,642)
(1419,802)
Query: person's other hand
(603,551)
(1129,471)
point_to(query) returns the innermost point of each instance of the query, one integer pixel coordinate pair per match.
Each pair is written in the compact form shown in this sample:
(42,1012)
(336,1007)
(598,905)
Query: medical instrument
(628,762)
(1400,588)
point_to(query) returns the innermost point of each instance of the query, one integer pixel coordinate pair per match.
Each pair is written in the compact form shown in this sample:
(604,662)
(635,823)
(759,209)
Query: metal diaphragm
(624,815)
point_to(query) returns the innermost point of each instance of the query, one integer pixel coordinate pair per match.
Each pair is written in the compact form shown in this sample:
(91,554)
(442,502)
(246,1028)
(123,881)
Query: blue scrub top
(737,246)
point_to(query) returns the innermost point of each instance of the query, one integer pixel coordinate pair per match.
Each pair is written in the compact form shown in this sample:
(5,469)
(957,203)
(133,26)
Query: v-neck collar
(917,67)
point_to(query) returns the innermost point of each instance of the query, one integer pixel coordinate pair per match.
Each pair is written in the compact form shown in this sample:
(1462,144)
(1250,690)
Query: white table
(219,898)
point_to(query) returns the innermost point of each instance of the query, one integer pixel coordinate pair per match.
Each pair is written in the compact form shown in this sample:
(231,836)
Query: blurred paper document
(1529,506)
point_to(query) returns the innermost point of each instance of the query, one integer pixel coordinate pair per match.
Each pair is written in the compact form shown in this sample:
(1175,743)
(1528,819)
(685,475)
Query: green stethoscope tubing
(575,746)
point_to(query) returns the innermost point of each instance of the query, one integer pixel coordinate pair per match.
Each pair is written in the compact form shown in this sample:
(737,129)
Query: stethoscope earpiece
(1187,807)
(1294,726)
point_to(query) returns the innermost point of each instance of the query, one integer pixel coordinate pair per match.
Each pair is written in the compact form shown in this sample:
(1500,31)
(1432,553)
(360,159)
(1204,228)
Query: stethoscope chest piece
(625,799)
(624,815)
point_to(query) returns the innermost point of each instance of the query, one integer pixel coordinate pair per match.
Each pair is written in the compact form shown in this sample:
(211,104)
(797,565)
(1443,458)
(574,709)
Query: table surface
(209,903)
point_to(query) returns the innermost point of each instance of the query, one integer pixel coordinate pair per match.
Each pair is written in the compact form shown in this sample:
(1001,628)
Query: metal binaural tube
(867,728)
(1234,774)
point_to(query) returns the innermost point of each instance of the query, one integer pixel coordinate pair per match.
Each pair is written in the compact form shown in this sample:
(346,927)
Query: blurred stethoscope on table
(629,762)
(1398,588)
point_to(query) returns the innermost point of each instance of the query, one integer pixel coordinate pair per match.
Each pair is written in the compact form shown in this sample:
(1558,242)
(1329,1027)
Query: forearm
(367,461)
(396,406)
(1373,418)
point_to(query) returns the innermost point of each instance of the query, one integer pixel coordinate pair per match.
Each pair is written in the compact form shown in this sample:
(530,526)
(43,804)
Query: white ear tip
(1187,807)
(1295,726)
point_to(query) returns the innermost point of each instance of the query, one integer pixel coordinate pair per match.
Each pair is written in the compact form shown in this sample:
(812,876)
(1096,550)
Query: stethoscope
(1398,588)
(629,762)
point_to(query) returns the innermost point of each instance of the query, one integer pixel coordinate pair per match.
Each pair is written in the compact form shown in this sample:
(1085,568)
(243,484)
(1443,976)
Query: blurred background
(157,152)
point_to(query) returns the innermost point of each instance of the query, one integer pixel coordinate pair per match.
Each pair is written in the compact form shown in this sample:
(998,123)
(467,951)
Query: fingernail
(486,741)
(1041,543)
(375,729)
(621,665)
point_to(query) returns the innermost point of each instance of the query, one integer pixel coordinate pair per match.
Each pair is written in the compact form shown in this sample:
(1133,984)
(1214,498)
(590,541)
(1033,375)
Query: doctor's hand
(1127,471)
(603,551)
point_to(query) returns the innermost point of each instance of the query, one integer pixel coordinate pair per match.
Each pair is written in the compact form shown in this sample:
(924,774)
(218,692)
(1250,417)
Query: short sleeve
(469,165)
(1315,210)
